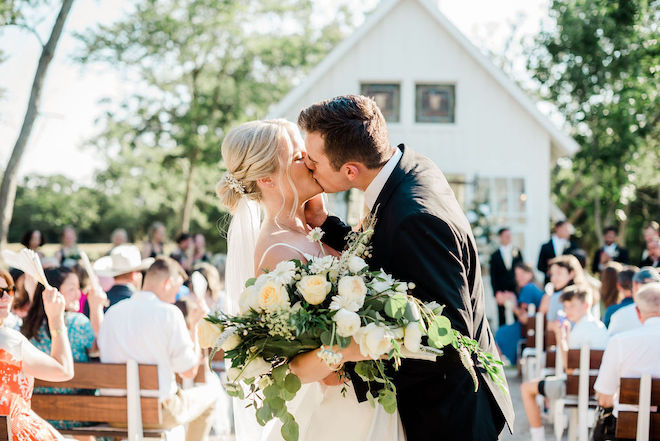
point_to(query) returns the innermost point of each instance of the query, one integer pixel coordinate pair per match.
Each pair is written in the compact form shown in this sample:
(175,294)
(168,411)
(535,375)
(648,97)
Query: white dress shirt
(559,245)
(630,354)
(611,250)
(149,331)
(624,320)
(507,255)
(588,331)
(376,186)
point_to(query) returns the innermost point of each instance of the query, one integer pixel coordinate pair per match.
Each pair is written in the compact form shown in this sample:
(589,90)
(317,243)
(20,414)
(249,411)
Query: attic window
(386,97)
(435,103)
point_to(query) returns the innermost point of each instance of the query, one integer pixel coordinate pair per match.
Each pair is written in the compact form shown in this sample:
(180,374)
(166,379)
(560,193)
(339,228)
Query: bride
(266,172)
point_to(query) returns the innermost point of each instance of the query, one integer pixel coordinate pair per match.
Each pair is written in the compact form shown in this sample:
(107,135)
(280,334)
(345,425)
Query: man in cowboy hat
(125,265)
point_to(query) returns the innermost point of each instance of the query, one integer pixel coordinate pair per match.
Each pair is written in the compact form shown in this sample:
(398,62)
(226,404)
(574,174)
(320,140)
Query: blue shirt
(530,294)
(614,308)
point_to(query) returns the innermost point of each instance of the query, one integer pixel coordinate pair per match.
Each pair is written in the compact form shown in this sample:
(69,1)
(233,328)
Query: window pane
(435,103)
(519,195)
(386,97)
(501,195)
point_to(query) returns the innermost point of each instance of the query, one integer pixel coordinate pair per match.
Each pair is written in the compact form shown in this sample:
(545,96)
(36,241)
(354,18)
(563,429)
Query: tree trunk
(598,221)
(10,177)
(188,200)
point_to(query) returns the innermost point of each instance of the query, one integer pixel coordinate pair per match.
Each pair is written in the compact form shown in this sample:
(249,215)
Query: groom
(421,236)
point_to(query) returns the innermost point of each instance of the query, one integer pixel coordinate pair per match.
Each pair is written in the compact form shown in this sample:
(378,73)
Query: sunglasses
(9,291)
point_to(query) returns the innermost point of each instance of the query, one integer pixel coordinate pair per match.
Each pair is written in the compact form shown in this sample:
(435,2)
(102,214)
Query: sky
(69,103)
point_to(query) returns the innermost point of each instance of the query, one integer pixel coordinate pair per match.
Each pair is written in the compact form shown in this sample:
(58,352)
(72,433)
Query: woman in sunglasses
(21,362)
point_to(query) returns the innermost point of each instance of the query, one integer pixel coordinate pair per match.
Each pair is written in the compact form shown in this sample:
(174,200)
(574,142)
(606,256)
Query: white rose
(207,333)
(397,333)
(248,300)
(233,374)
(382,285)
(231,343)
(314,289)
(374,341)
(351,293)
(348,323)
(356,264)
(412,337)
(255,368)
(272,296)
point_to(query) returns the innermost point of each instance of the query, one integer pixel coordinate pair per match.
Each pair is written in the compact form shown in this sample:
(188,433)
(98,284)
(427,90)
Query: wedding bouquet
(322,305)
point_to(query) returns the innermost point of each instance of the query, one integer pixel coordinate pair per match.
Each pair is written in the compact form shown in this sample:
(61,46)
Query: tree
(598,64)
(201,66)
(10,176)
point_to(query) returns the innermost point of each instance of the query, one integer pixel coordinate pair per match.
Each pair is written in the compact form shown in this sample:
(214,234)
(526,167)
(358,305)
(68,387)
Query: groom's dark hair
(352,127)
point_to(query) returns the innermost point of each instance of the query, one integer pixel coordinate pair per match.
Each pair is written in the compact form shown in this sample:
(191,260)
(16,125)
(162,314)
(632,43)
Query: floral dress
(81,338)
(16,391)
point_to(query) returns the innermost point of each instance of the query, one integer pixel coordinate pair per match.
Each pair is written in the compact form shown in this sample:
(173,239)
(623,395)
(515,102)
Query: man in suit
(125,265)
(502,274)
(420,236)
(559,244)
(610,251)
(653,256)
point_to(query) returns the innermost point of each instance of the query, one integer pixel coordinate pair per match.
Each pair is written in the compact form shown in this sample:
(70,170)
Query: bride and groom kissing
(421,235)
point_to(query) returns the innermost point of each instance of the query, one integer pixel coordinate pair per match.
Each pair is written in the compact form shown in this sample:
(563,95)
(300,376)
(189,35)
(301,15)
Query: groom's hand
(315,212)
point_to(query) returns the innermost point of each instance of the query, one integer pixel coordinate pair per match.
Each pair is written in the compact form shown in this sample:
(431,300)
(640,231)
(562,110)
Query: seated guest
(651,233)
(157,236)
(119,237)
(626,318)
(559,244)
(653,254)
(508,336)
(624,284)
(199,253)
(69,253)
(609,286)
(182,254)
(590,280)
(610,251)
(33,240)
(20,363)
(215,285)
(502,277)
(165,341)
(23,293)
(564,271)
(632,353)
(580,328)
(125,266)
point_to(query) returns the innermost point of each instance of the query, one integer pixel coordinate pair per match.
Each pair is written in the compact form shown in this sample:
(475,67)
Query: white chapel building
(442,97)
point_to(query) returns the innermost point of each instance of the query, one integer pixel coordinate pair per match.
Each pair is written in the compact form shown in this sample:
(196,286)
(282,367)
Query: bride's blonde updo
(251,152)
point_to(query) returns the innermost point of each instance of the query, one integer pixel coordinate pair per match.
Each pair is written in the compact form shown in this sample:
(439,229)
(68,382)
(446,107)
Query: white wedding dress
(321,411)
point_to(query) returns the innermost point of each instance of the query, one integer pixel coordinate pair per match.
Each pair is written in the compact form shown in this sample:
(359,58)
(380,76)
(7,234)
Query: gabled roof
(563,142)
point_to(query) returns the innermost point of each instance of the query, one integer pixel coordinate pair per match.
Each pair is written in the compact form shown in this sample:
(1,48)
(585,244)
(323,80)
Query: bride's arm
(310,368)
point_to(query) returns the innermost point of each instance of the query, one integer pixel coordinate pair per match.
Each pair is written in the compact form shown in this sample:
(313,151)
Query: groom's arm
(432,255)
(335,232)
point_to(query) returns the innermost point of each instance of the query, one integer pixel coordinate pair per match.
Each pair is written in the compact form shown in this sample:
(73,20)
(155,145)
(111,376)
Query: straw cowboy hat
(122,259)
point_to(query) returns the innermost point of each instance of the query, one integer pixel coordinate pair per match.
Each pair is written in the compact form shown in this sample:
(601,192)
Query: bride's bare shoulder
(276,247)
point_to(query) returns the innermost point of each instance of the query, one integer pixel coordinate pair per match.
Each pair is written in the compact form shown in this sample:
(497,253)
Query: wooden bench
(5,428)
(642,425)
(138,407)
(537,343)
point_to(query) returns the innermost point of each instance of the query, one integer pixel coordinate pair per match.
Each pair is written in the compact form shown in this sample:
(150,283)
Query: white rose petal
(397,333)
(248,300)
(412,337)
(207,333)
(314,289)
(374,341)
(231,343)
(233,374)
(356,264)
(348,322)
(351,293)
(255,368)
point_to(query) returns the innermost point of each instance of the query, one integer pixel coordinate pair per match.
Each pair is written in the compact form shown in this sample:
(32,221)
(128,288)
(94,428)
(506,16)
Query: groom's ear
(351,170)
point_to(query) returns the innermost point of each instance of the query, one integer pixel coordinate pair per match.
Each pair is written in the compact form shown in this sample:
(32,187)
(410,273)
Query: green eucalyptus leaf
(395,306)
(290,430)
(292,383)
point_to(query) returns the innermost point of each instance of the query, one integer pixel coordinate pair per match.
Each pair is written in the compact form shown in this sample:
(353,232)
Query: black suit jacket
(422,236)
(621,256)
(115,295)
(548,252)
(501,277)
